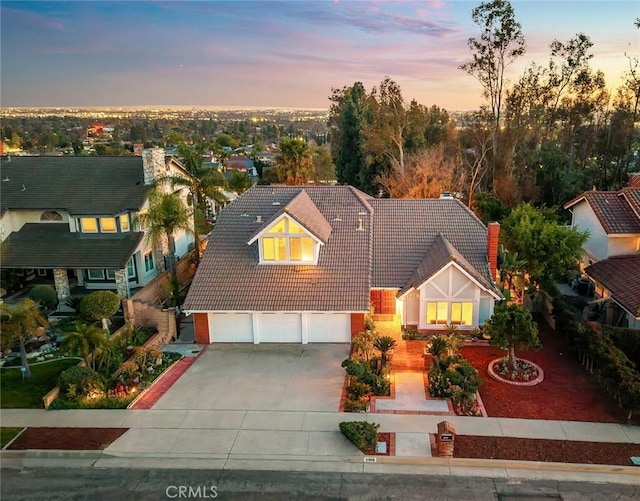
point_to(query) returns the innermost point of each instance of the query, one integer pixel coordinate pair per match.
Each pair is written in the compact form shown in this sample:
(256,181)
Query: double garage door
(280,327)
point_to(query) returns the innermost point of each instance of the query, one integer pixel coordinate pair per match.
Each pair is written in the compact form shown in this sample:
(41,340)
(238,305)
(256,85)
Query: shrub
(354,368)
(356,405)
(77,382)
(357,390)
(379,384)
(361,434)
(44,295)
(129,373)
(99,305)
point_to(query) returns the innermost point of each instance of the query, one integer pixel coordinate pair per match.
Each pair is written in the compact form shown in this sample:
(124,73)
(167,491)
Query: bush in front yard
(79,382)
(362,434)
(44,295)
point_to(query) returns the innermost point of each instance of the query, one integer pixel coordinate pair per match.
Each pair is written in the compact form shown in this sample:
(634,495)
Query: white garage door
(329,328)
(280,328)
(231,327)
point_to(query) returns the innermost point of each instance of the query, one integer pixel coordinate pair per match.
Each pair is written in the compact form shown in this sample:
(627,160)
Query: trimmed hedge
(362,434)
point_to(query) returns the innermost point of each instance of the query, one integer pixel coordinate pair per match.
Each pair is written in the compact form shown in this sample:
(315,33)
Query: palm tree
(19,323)
(384,344)
(85,339)
(167,215)
(202,183)
(294,161)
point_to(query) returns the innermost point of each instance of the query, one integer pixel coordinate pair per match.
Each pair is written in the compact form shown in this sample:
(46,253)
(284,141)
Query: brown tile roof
(79,185)
(304,211)
(612,210)
(439,254)
(405,230)
(632,196)
(399,241)
(621,276)
(52,245)
(230,278)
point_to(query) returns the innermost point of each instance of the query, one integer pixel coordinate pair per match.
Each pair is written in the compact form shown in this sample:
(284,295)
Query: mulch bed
(554,451)
(71,439)
(568,392)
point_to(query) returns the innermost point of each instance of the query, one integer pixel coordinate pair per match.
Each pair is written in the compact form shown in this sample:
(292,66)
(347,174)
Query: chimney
(634,180)
(493,234)
(153,164)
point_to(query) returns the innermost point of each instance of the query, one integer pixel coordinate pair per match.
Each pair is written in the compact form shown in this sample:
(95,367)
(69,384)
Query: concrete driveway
(267,377)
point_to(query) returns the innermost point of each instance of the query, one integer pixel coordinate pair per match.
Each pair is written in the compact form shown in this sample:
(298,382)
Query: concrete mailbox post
(445,439)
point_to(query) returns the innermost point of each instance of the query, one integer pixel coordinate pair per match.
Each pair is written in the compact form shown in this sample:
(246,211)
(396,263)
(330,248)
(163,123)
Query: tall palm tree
(202,183)
(85,339)
(294,161)
(167,215)
(19,323)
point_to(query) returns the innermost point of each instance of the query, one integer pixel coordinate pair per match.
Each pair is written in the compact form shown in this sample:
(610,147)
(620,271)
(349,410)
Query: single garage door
(231,327)
(329,328)
(280,328)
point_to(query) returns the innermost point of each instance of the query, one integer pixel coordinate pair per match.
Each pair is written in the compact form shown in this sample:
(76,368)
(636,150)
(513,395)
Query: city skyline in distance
(275,54)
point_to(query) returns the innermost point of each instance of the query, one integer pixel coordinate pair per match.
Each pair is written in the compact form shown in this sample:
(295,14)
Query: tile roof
(400,241)
(621,276)
(614,212)
(439,254)
(52,245)
(78,185)
(405,230)
(230,277)
(632,197)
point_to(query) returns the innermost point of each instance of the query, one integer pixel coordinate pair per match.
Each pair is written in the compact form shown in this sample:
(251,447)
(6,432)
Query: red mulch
(382,437)
(70,439)
(553,451)
(568,392)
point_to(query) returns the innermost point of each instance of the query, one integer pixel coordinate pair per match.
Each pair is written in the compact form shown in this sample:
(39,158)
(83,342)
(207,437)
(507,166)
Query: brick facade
(201,328)
(493,237)
(383,301)
(357,323)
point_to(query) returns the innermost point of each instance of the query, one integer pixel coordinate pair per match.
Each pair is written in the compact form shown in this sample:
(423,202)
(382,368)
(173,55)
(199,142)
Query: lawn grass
(7,433)
(18,394)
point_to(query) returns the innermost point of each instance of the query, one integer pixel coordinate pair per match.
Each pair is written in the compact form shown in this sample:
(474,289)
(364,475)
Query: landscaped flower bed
(522,372)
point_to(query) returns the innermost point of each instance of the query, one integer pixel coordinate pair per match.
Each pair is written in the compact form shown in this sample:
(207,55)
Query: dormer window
(287,242)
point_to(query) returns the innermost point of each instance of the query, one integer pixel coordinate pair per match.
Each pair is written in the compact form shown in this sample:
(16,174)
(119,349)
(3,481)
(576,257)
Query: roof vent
(258,219)
(5,179)
(337,219)
(360,226)
(446,195)
(276,203)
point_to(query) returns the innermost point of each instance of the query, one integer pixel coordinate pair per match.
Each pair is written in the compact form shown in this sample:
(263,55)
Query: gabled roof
(405,231)
(613,210)
(52,245)
(632,197)
(78,185)
(620,275)
(302,209)
(230,277)
(439,254)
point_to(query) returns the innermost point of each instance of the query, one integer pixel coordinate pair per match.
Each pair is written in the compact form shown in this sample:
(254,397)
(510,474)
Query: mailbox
(445,439)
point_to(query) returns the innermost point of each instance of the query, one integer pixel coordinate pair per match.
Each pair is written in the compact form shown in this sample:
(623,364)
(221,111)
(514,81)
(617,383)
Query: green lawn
(7,433)
(18,394)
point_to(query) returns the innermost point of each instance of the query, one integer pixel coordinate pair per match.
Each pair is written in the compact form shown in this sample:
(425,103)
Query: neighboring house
(304,264)
(242,164)
(74,220)
(612,252)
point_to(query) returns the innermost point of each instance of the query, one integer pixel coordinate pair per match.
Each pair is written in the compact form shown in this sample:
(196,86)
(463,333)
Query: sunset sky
(276,54)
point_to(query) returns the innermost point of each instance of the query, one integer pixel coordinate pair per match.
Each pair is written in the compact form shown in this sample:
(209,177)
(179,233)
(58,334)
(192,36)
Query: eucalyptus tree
(500,44)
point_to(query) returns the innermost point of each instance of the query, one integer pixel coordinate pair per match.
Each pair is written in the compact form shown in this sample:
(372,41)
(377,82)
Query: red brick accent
(493,235)
(384,301)
(201,327)
(445,447)
(357,323)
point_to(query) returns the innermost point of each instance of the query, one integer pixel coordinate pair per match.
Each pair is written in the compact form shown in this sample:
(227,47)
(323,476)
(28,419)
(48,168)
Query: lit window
(148,262)
(286,243)
(108,224)
(461,313)
(95,274)
(124,222)
(89,225)
(437,312)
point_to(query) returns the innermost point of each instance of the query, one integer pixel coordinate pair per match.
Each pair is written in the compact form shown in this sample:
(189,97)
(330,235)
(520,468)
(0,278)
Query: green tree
(548,248)
(240,181)
(512,327)
(20,323)
(324,170)
(100,305)
(167,215)
(85,339)
(501,42)
(384,344)
(294,161)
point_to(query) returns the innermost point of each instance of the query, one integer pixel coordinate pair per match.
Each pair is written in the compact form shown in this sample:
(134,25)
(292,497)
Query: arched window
(50,215)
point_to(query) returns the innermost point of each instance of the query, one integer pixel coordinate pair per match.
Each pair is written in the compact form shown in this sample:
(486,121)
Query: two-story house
(305,264)
(75,220)
(611,256)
